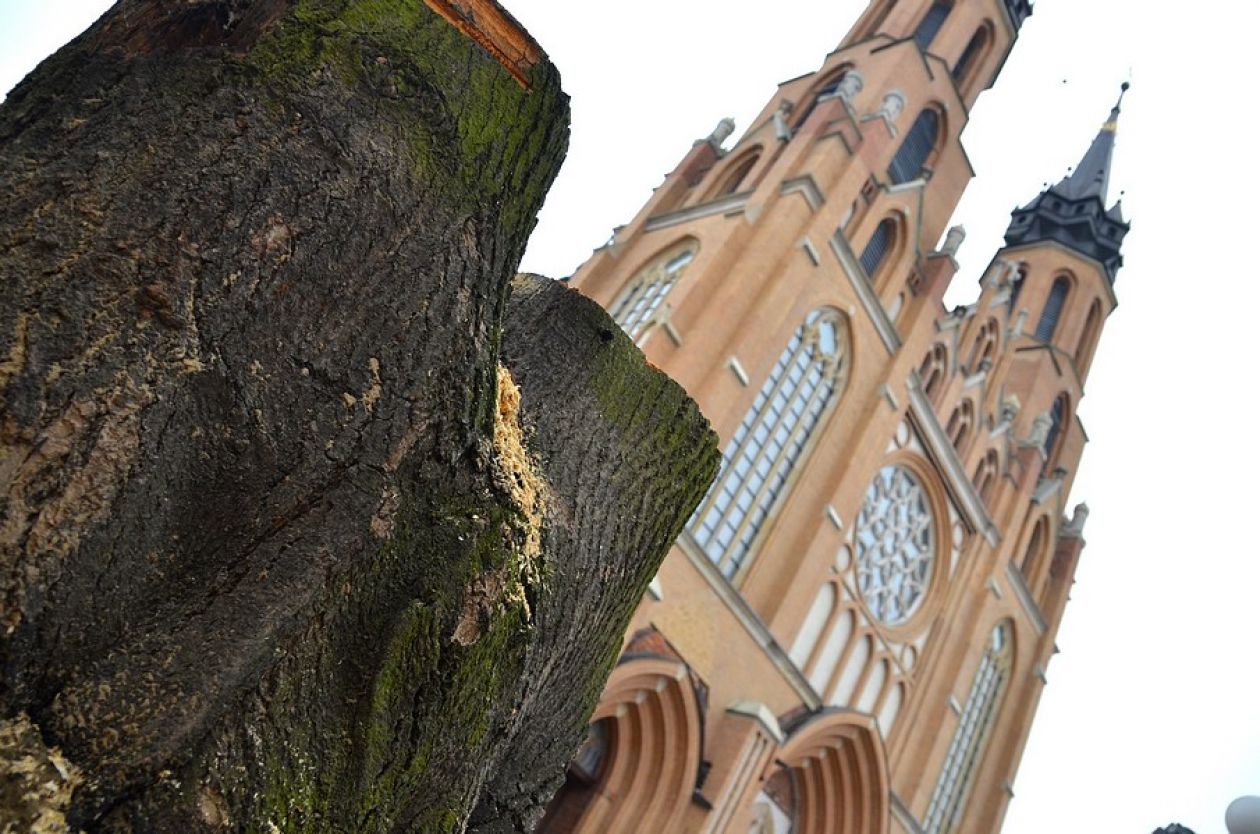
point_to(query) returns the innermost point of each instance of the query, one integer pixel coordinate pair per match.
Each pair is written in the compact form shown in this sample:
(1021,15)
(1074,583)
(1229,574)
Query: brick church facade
(852,633)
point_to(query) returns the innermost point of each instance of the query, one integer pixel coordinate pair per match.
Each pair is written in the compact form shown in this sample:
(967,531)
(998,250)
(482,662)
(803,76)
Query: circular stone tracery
(894,545)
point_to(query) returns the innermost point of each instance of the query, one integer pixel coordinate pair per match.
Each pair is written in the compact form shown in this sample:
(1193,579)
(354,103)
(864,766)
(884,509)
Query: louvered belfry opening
(968,57)
(931,24)
(913,154)
(878,246)
(1050,313)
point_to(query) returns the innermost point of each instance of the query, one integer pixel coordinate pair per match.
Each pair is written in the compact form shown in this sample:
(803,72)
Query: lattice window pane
(913,153)
(967,745)
(1050,313)
(769,441)
(638,303)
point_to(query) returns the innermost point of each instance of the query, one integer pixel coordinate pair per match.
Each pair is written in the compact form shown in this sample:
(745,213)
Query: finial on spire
(1115,111)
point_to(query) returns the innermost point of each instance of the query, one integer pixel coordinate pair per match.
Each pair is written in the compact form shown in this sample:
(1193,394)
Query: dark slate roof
(1019,10)
(1073,211)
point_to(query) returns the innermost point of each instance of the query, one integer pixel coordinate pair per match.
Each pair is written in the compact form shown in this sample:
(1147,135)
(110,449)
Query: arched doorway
(637,769)
(830,777)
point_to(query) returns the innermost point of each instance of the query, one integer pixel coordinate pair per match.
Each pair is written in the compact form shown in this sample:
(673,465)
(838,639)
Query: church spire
(1091,175)
(1073,211)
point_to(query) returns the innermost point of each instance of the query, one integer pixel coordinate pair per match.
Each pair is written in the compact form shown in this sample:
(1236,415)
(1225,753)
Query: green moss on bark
(402,49)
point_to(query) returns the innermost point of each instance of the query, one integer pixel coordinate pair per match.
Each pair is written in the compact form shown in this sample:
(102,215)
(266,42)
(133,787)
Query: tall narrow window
(914,151)
(878,246)
(638,303)
(1089,337)
(967,746)
(986,346)
(1054,307)
(1057,412)
(960,424)
(737,177)
(826,91)
(974,49)
(986,475)
(931,24)
(770,439)
(1017,284)
(1032,554)
(877,19)
(932,371)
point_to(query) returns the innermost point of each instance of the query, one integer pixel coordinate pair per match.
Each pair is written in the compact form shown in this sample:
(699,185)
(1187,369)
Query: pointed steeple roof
(1073,212)
(1089,178)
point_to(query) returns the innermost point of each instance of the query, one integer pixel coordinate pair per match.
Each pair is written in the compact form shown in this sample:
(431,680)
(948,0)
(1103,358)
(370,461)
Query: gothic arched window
(1036,544)
(1054,307)
(1089,337)
(895,545)
(967,746)
(914,151)
(738,175)
(633,311)
(932,371)
(878,247)
(827,90)
(986,345)
(931,24)
(960,424)
(1017,284)
(770,439)
(1057,413)
(974,50)
(986,475)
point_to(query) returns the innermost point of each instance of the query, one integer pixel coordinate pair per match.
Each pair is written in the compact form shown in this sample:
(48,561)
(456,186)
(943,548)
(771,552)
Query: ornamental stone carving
(895,545)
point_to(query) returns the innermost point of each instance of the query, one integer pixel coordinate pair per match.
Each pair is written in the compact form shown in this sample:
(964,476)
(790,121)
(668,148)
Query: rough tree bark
(272,554)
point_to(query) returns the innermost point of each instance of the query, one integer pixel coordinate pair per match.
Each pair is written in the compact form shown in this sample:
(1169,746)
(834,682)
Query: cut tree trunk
(280,547)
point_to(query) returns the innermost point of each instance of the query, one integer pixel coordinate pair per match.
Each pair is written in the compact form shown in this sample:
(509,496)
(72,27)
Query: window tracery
(895,545)
(967,746)
(770,439)
(633,312)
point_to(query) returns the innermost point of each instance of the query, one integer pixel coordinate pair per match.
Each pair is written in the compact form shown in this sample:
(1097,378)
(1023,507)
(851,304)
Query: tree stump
(282,545)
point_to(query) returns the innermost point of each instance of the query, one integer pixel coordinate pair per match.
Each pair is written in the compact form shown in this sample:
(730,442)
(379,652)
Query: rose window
(894,545)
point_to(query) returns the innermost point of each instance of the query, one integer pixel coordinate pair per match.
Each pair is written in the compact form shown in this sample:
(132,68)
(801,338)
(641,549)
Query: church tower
(853,631)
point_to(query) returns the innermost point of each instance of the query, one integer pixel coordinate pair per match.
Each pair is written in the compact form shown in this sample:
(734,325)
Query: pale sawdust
(373,392)
(518,472)
(527,486)
(36,781)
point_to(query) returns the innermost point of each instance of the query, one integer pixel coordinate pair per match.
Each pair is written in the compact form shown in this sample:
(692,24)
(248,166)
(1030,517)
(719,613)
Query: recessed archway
(638,769)
(830,777)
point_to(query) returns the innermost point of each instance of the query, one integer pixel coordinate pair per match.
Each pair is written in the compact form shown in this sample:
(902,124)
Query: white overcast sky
(1152,713)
